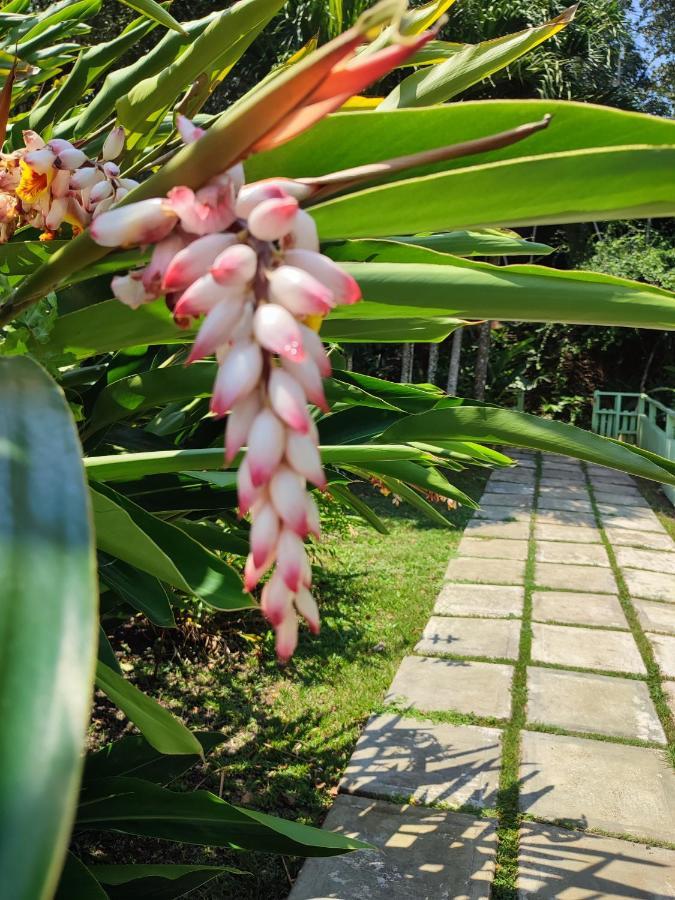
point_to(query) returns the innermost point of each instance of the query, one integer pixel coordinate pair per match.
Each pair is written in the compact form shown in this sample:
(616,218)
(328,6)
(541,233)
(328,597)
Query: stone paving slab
(656,616)
(511,487)
(555,862)
(625,497)
(583,554)
(610,476)
(503,514)
(502,530)
(650,585)
(664,652)
(427,762)
(648,540)
(491,600)
(565,517)
(637,514)
(568,490)
(599,704)
(585,648)
(582,506)
(493,548)
(524,476)
(579,534)
(443,685)
(570,577)
(492,498)
(636,521)
(649,560)
(489,638)
(423,853)
(486,571)
(611,787)
(578,608)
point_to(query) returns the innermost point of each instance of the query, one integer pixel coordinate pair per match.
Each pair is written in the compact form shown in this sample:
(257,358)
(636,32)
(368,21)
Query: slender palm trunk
(482,358)
(455,359)
(433,363)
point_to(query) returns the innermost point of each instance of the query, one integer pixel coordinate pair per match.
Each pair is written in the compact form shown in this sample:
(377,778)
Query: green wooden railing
(639,419)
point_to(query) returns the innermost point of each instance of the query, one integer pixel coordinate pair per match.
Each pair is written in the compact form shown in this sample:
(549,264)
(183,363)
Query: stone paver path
(530,727)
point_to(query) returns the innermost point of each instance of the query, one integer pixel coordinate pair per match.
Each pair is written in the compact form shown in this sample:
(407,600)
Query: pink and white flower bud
(105,205)
(264,533)
(70,159)
(57,213)
(162,255)
(208,210)
(286,638)
(32,140)
(203,295)
(129,289)
(239,424)
(272,219)
(215,329)
(40,161)
(313,518)
(306,373)
(113,144)
(266,443)
(291,559)
(243,332)
(60,185)
(316,350)
(288,400)
(303,235)
(299,292)
(277,331)
(275,601)
(344,288)
(111,169)
(306,606)
(195,260)
(236,265)
(238,375)
(247,494)
(187,129)
(145,222)
(85,177)
(287,492)
(128,183)
(99,192)
(59,145)
(252,573)
(269,189)
(304,458)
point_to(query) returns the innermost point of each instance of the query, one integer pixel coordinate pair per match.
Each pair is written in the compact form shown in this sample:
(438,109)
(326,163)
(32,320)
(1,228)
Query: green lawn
(290,732)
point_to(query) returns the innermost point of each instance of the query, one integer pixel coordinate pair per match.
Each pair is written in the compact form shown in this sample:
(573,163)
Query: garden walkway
(537,704)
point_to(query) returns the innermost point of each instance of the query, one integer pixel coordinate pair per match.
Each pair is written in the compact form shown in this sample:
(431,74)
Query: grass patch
(290,732)
(661,505)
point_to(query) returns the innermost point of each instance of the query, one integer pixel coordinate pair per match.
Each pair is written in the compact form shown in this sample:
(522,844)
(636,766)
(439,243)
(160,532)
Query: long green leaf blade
(48,627)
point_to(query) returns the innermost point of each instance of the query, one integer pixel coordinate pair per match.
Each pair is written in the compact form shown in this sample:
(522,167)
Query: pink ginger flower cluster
(246,257)
(47,183)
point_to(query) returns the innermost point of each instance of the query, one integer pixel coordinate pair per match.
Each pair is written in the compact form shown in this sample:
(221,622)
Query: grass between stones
(653,672)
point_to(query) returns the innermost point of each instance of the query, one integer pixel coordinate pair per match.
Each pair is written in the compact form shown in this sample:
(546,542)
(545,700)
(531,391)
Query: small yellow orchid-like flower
(32,184)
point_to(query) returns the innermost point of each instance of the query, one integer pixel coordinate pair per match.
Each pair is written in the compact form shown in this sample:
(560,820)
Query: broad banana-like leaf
(503,426)
(152,10)
(488,242)
(576,186)
(439,284)
(471,64)
(144,881)
(78,881)
(417,20)
(48,627)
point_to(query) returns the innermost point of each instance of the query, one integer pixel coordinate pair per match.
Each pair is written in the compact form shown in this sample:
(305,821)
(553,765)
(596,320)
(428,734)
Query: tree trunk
(407,363)
(433,363)
(455,358)
(481,370)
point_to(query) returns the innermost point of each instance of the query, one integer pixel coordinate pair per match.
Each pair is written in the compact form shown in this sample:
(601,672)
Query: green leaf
(78,881)
(157,882)
(48,627)
(353,139)
(140,590)
(489,242)
(106,654)
(575,186)
(131,466)
(360,507)
(199,571)
(504,426)
(161,729)
(433,284)
(156,13)
(217,48)
(22,257)
(138,807)
(424,477)
(471,64)
(405,492)
(133,755)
